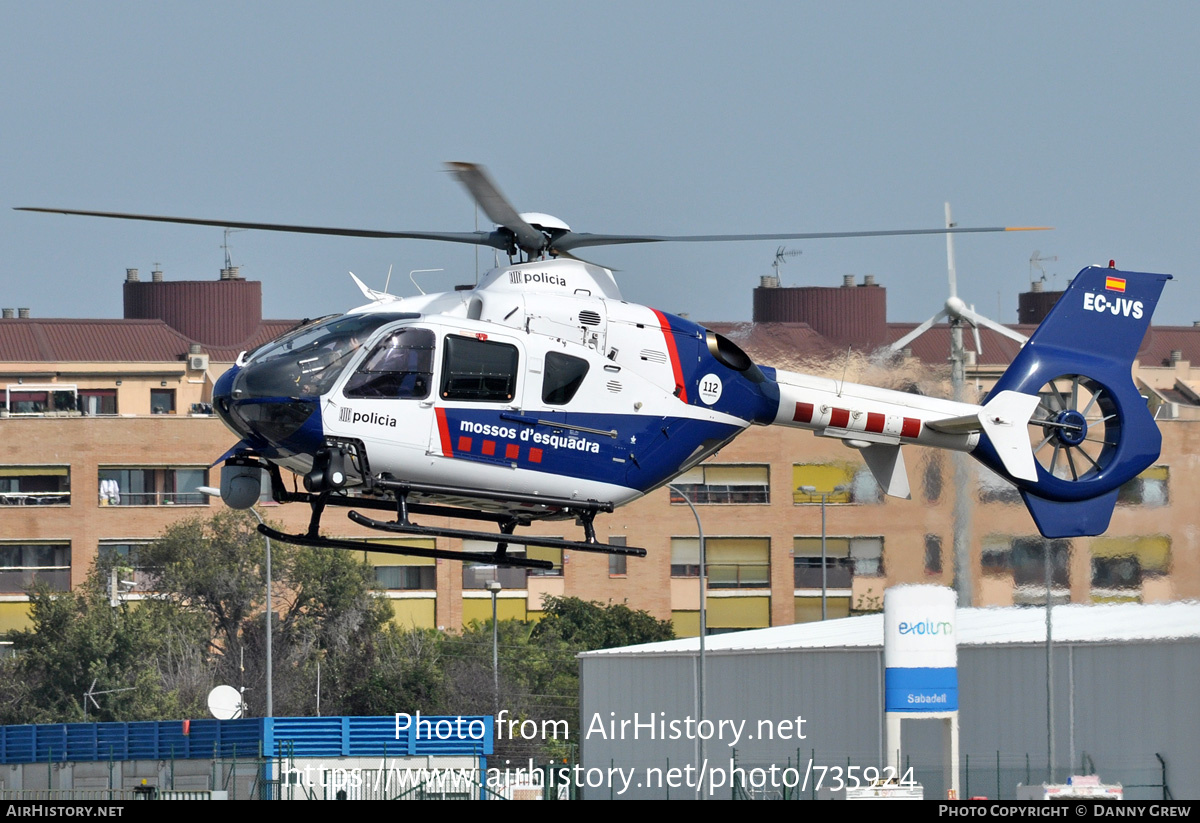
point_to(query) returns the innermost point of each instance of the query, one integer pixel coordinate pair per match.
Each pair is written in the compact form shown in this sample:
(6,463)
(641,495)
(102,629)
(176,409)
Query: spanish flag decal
(1114,284)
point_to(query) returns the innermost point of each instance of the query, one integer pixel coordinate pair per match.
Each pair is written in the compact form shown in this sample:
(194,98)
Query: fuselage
(540,380)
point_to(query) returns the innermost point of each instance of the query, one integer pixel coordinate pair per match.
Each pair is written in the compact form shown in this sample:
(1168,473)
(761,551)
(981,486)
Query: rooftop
(1014,625)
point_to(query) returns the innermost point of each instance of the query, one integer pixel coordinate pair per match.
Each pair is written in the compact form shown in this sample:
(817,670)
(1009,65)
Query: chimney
(869,280)
(847,281)
(131,275)
(23,314)
(231,273)
(195,348)
(1176,355)
(1036,286)
(156,276)
(9,314)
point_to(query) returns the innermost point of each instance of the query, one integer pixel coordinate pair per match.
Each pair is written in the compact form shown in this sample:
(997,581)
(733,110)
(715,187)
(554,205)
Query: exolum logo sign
(926,627)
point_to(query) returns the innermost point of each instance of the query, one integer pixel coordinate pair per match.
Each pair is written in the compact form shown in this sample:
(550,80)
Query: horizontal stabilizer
(887,465)
(1005,420)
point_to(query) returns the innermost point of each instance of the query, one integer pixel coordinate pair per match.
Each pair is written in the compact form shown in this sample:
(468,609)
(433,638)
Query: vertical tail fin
(1091,430)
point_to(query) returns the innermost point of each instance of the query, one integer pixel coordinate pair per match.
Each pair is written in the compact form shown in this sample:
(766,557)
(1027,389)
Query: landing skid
(491,537)
(409,551)
(584,510)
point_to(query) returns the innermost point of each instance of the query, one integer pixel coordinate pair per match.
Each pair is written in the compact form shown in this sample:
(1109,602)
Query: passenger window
(479,370)
(562,378)
(400,366)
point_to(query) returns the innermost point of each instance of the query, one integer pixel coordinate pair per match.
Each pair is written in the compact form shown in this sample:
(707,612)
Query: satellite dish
(224,703)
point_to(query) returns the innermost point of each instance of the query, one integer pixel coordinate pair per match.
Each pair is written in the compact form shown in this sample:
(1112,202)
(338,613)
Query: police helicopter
(541,394)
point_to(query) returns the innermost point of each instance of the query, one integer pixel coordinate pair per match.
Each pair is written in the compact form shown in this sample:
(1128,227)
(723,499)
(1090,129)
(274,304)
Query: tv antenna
(90,695)
(781,255)
(1036,261)
(225,246)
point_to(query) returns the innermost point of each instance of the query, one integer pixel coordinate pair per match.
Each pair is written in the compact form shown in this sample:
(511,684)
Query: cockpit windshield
(307,362)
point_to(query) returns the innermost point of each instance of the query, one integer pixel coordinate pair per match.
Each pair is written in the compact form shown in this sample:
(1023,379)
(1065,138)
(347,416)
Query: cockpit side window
(562,377)
(400,366)
(479,370)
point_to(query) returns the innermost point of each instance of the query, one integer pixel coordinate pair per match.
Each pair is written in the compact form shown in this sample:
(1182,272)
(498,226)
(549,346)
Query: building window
(932,479)
(933,554)
(1121,564)
(406,578)
(732,562)
(1147,489)
(399,572)
(152,487)
(131,577)
(162,401)
(475,576)
(32,399)
(841,482)
(995,489)
(35,486)
(1023,560)
(479,370)
(616,562)
(723,484)
(98,401)
(26,564)
(845,557)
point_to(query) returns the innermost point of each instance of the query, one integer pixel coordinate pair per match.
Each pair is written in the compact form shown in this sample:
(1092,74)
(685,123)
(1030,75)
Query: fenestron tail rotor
(1076,429)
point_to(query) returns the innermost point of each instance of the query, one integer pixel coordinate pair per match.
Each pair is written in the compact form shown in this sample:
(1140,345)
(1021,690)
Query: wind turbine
(958,313)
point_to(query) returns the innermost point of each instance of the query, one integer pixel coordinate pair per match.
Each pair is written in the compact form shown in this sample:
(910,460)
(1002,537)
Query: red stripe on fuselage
(673,353)
(444,433)
(875,422)
(912,428)
(839,418)
(804,413)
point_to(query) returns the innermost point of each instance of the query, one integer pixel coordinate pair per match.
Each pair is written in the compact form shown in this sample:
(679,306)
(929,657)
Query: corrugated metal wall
(1120,704)
(851,315)
(217,312)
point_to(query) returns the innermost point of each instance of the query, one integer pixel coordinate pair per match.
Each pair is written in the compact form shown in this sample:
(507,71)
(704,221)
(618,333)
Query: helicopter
(541,394)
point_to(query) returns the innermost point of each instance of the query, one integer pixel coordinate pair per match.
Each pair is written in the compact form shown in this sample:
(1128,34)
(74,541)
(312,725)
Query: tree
(590,625)
(325,611)
(142,654)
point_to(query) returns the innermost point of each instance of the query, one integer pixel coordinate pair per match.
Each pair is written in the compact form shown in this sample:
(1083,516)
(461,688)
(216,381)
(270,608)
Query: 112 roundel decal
(710,389)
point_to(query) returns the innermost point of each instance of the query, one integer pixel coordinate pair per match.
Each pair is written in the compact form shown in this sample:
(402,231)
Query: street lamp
(700,707)
(812,491)
(215,492)
(494,586)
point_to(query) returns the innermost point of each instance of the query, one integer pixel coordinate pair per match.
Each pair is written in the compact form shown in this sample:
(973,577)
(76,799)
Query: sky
(655,117)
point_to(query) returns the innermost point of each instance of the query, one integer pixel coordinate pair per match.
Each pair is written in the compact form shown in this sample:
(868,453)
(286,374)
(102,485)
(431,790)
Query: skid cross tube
(491,537)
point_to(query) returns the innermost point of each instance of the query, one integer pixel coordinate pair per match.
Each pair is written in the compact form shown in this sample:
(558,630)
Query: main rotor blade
(578,240)
(495,205)
(477,238)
